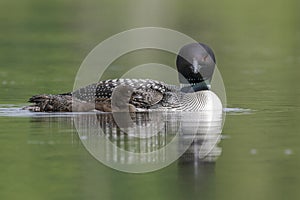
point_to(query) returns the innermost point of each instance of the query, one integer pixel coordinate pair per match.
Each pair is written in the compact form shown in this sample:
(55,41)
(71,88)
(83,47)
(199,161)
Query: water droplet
(84,137)
(288,152)
(253,151)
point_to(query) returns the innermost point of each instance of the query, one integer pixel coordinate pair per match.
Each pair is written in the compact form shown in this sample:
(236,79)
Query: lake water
(256,43)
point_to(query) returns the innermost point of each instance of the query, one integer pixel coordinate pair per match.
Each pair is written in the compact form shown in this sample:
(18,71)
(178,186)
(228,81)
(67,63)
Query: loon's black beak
(196,67)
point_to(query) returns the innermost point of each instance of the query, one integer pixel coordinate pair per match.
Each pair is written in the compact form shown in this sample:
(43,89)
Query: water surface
(256,43)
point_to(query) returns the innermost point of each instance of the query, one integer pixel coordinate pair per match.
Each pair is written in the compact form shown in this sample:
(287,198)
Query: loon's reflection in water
(191,136)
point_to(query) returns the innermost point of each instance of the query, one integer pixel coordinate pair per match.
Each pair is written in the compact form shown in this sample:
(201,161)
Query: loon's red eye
(204,58)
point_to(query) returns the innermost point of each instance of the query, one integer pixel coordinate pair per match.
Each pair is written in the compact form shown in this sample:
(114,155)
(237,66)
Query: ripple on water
(238,111)
(12,110)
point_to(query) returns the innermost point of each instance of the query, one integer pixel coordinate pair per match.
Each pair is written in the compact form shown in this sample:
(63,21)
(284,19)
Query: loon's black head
(195,64)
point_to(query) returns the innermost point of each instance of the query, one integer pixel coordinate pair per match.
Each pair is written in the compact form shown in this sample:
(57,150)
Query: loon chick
(195,65)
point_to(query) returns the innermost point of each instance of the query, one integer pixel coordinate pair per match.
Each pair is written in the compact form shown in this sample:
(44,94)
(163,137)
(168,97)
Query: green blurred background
(257,44)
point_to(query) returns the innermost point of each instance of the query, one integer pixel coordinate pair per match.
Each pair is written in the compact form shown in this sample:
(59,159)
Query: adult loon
(195,65)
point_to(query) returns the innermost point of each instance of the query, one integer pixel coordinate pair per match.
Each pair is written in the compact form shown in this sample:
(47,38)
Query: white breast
(201,101)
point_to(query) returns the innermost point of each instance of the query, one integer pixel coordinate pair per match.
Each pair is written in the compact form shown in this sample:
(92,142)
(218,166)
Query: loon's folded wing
(145,92)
